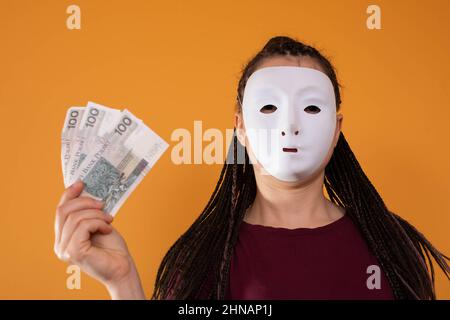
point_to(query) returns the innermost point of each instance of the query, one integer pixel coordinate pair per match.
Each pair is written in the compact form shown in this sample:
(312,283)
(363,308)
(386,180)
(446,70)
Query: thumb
(72,192)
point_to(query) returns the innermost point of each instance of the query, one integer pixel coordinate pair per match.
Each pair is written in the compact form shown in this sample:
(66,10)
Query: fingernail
(76,183)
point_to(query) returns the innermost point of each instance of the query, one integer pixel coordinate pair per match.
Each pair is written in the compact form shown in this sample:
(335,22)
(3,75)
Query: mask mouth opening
(290,150)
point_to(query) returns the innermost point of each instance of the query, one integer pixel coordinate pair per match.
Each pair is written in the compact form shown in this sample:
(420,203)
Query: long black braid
(203,253)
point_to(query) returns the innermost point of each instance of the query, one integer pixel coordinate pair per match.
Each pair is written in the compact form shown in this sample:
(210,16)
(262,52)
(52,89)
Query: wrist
(127,288)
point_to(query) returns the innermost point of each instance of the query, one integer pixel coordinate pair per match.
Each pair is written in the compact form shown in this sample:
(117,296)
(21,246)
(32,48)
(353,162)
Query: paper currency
(114,169)
(71,125)
(97,121)
(111,154)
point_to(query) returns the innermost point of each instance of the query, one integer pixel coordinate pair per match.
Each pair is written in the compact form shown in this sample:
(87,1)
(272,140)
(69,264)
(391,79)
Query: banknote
(71,125)
(113,169)
(96,123)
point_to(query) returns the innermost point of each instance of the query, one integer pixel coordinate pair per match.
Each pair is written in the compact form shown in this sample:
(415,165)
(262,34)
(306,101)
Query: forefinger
(71,193)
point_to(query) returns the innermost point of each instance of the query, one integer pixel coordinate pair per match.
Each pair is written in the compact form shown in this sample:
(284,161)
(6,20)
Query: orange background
(173,62)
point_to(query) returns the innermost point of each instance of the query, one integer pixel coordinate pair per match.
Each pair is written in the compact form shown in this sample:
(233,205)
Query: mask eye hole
(268,108)
(312,109)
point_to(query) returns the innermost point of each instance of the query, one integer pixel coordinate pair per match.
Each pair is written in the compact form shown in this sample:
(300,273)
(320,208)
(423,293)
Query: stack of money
(109,150)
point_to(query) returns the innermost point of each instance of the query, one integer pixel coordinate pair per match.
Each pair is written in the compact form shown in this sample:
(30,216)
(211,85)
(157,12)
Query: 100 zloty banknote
(71,125)
(96,123)
(115,157)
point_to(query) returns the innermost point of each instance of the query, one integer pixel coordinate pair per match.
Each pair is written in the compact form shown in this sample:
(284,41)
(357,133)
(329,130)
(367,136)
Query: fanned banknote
(71,125)
(97,122)
(117,159)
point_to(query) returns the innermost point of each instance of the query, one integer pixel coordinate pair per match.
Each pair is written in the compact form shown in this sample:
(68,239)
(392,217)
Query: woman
(268,231)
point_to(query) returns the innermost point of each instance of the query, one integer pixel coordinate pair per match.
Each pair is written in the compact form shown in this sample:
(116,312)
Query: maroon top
(328,262)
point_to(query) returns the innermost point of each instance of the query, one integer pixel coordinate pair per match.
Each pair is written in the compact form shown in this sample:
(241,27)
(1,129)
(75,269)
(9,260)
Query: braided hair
(202,254)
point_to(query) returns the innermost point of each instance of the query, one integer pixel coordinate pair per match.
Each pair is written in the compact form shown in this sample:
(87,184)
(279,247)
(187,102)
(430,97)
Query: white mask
(292,139)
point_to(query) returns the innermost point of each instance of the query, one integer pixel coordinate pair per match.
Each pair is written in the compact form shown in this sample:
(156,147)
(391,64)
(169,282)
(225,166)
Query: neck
(291,205)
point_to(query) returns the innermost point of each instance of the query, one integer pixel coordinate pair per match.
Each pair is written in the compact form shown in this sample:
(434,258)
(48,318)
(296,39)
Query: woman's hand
(84,236)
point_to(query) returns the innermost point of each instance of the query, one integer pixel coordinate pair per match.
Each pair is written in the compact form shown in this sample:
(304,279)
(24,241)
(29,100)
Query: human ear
(240,129)
(339,120)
